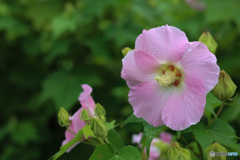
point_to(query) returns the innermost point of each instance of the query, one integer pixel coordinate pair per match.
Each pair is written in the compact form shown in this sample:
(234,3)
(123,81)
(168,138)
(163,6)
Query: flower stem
(219,111)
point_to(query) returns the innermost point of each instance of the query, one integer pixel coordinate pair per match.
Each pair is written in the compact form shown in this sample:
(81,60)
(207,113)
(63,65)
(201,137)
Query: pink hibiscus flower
(169,77)
(88,103)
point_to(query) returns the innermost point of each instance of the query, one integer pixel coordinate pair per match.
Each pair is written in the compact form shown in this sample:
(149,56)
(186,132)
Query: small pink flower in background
(88,103)
(155,151)
(137,138)
(195,4)
(166,137)
(169,77)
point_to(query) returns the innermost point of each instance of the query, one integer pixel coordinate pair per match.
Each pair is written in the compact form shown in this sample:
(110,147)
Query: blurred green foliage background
(49,47)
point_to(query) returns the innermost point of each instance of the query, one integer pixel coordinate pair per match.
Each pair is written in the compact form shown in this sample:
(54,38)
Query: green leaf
(230,7)
(110,125)
(63,23)
(211,103)
(25,132)
(65,147)
(115,140)
(132,119)
(87,132)
(105,152)
(55,87)
(219,131)
(150,133)
(232,109)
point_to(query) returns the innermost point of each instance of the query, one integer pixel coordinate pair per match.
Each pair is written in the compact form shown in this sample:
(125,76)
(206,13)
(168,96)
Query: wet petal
(185,108)
(165,43)
(199,61)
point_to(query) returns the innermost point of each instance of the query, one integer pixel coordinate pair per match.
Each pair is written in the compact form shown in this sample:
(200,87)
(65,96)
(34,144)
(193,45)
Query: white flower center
(166,79)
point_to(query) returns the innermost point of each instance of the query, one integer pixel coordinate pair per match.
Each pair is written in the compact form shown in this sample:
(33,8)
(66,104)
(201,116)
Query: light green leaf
(65,147)
(87,132)
(105,152)
(132,119)
(110,125)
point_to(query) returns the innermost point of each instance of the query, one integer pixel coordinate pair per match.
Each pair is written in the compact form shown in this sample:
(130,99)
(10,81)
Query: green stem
(100,140)
(219,111)
(89,143)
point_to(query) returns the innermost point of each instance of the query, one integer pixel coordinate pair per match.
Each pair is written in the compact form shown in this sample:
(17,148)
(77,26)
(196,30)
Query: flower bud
(215,147)
(208,40)
(225,88)
(84,115)
(98,127)
(177,153)
(125,50)
(100,112)
(63,118)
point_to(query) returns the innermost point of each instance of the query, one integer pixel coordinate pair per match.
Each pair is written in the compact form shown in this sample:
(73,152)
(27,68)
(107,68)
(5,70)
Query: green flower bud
(215,147)
(63,118)
(177,153)
(125,50)
(208,40)
(98,127)
(100,112)
(163,147)
(84,115)
(225,88)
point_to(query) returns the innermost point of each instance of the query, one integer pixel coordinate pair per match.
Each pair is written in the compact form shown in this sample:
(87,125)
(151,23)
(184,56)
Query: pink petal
(185,107)
(76,123)
(86,100)
(131,73)
(148,100)
(165,43)
(198,60)
(166,137)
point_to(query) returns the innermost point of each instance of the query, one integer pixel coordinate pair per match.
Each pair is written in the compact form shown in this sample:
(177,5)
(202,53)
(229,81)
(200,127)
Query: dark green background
(49,47)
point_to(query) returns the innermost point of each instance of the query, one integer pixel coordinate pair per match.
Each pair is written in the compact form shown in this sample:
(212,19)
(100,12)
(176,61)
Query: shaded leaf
(105,152)
(132,119)
(64,87)
(219,131)
(150,133)
(115,140)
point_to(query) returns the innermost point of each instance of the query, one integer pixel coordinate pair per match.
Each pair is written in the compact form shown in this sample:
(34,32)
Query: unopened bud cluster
(97,121)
